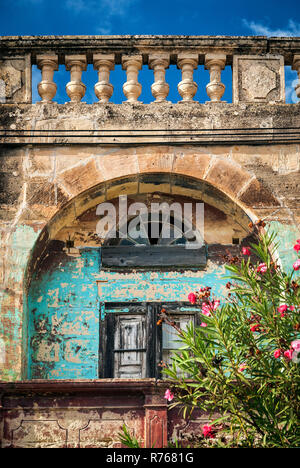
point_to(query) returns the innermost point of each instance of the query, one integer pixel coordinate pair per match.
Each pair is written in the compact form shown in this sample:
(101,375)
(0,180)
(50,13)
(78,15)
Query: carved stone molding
(156,420)
(15,79)
(187,88)
(215,63)
(296,66)
(104,63)
(44,433)
(47,88)
(159,63)
(80,413)
(258,79)
(132,88)
(76,64)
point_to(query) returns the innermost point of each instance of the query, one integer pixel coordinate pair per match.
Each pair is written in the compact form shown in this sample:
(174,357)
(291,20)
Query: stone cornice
(65,386)
(62,45)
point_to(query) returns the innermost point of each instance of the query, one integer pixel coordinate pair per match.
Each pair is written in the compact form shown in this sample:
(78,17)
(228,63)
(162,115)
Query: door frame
(153,332)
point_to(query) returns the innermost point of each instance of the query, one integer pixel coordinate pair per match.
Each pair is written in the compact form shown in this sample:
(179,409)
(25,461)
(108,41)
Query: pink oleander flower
(262,268)
(192,298)
(246,251)
(282,308)
(203,324)
(292,307)
(242,367)
(297,247)
(208,432)
(296,265)
(255,328)
(288,354)
(206,309)
(209,307)
(169,395)
(295,345)
(277,353)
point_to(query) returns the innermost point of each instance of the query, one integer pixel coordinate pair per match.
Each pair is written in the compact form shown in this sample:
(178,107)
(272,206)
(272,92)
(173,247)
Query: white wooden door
(130,347)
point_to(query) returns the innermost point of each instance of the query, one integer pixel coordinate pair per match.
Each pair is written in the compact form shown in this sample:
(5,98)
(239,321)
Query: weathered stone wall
(38,181)
(57,162)
(90,414)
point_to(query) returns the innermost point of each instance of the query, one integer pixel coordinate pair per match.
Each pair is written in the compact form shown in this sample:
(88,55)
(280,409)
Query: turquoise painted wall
(64,306)
(286,238)
(64,319)
(12,311)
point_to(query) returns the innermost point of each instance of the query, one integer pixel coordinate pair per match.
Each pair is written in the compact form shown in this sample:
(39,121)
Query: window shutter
(107,332)
(154,341)
(170,341)
(130,346)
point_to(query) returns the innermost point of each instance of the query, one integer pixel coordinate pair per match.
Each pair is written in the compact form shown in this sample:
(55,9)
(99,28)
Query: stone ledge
(97,385)
(125,124)
(286,46)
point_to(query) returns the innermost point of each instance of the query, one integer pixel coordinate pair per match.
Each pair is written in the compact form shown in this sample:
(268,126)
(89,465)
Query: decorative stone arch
(194,172)
(219,171)
(184,171)
(91,176)
(151,182)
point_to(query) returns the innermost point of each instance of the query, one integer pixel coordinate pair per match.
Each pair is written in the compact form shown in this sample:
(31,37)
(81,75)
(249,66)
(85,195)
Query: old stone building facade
(65,296)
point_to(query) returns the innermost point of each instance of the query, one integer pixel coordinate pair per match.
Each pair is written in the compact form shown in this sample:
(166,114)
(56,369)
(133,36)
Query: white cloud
(258,28)
(77,5)
(106,10)
(35,2)
(292,30)
(105,28)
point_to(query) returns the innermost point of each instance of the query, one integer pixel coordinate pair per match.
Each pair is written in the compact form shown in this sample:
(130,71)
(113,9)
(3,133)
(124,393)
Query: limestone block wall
(58,161)
(40,182)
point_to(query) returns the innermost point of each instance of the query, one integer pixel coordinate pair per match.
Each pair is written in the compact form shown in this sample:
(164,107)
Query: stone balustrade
(257,64)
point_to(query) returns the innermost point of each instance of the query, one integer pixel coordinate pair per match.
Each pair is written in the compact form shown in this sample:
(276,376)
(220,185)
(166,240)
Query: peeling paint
(64,305)
(286,236)
(69,312)
(19,245)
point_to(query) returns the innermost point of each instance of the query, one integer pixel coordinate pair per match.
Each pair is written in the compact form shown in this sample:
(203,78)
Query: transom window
(151,229)
(151,244)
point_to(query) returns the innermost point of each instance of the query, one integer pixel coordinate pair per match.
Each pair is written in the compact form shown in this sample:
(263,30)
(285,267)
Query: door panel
(130,334)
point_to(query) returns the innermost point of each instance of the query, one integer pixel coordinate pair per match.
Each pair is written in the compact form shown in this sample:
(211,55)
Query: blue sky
(187,17)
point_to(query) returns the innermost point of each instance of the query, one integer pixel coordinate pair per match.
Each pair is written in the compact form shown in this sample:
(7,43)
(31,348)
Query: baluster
(132,88)
(76,64)
(215,63)
(47,88)
(104,63)
(159,89)
(187,88)
(296,66)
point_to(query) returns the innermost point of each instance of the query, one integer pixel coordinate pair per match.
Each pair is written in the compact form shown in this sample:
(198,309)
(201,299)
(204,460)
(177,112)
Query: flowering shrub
(169,395)
(243,361)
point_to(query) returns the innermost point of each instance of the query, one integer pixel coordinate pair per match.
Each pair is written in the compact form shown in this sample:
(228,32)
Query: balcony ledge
(124,124)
